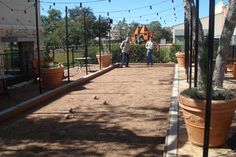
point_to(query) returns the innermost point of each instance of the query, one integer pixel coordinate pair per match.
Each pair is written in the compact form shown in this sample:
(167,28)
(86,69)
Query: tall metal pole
(85,44)
(73,56)
(186,44)
(196,44)
(37,34)
(67,47)
(109,38)
(53,53)
(191,47)
(99,42)
(209,76)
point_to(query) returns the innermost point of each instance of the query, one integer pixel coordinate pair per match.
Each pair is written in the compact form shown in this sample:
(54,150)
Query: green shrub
(138,54)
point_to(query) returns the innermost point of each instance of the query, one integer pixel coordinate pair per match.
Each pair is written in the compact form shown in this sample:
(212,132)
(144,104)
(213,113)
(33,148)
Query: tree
(133,26)
(52,25)
(121,30)
(103,27)
(224,46)
(166,33)
(76,31)
(201,51)
(155,27)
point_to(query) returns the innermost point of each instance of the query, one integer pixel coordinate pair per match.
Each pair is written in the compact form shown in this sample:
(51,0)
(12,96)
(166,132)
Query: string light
(148,6)
(127,10)
(74,2)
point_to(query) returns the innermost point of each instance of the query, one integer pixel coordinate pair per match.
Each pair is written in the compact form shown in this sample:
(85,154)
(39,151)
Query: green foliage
(138,53)
(159,32)
(115,50)
(132,27)
(50,65)
(200,91)
(167,54)
(217,94)
(93,51)
(54,26)
(62,56)
(121,30)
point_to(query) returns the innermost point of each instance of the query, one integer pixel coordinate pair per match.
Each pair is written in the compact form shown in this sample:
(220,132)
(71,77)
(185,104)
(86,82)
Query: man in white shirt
(125,48)
(150,45)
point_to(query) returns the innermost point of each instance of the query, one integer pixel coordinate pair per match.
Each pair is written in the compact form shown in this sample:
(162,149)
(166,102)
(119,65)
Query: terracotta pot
(234,70)
(52,77)
(105,60)
(180,58)
(222,113)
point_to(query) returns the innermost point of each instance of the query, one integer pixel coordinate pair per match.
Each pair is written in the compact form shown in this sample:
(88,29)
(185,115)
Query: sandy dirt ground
(30,90)
(121,113)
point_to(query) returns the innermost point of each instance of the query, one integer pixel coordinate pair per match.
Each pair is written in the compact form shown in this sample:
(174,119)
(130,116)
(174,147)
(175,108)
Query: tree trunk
(187,6)
(224,46)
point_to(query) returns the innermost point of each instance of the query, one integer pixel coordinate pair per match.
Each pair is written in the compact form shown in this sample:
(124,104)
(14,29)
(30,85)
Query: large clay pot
(52,77)
(222,112)
(234,70)
(105,60)
(180,58)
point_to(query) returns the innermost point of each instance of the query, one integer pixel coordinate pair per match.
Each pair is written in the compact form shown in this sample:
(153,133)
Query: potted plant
(51,72)
(192,101)
(106,57)
(180,58)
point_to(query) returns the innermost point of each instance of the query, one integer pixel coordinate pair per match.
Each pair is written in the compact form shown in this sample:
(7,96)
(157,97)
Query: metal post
(99,42)
(85,44)
(53,53)
(196,44)
(191,47)
(109,38)
(209,77)
(186,36)
(73,56)
(67,47)
(37,36)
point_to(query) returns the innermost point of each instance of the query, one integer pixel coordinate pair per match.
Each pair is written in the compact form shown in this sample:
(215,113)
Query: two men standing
(125,49)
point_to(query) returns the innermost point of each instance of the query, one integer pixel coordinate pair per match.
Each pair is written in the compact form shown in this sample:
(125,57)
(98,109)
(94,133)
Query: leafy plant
(217,94)
(51,65)
(200,91)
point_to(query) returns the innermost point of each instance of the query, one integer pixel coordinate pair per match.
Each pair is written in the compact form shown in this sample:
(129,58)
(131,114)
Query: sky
(167,12)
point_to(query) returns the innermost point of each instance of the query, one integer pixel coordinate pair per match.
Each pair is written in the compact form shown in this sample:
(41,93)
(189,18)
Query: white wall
(18,19)
(219,22)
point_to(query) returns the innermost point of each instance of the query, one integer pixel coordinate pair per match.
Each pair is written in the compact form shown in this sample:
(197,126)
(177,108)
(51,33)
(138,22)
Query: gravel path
(121,113)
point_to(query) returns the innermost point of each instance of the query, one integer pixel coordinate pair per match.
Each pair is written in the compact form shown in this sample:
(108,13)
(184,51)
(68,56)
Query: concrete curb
(171,143)
(13,111)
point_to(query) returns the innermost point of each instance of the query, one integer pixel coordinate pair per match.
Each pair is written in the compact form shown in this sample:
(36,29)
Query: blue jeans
(125,59)
(149,57)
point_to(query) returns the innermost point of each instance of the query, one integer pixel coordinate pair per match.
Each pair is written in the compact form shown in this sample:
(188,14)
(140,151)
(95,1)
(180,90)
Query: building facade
(18,35)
